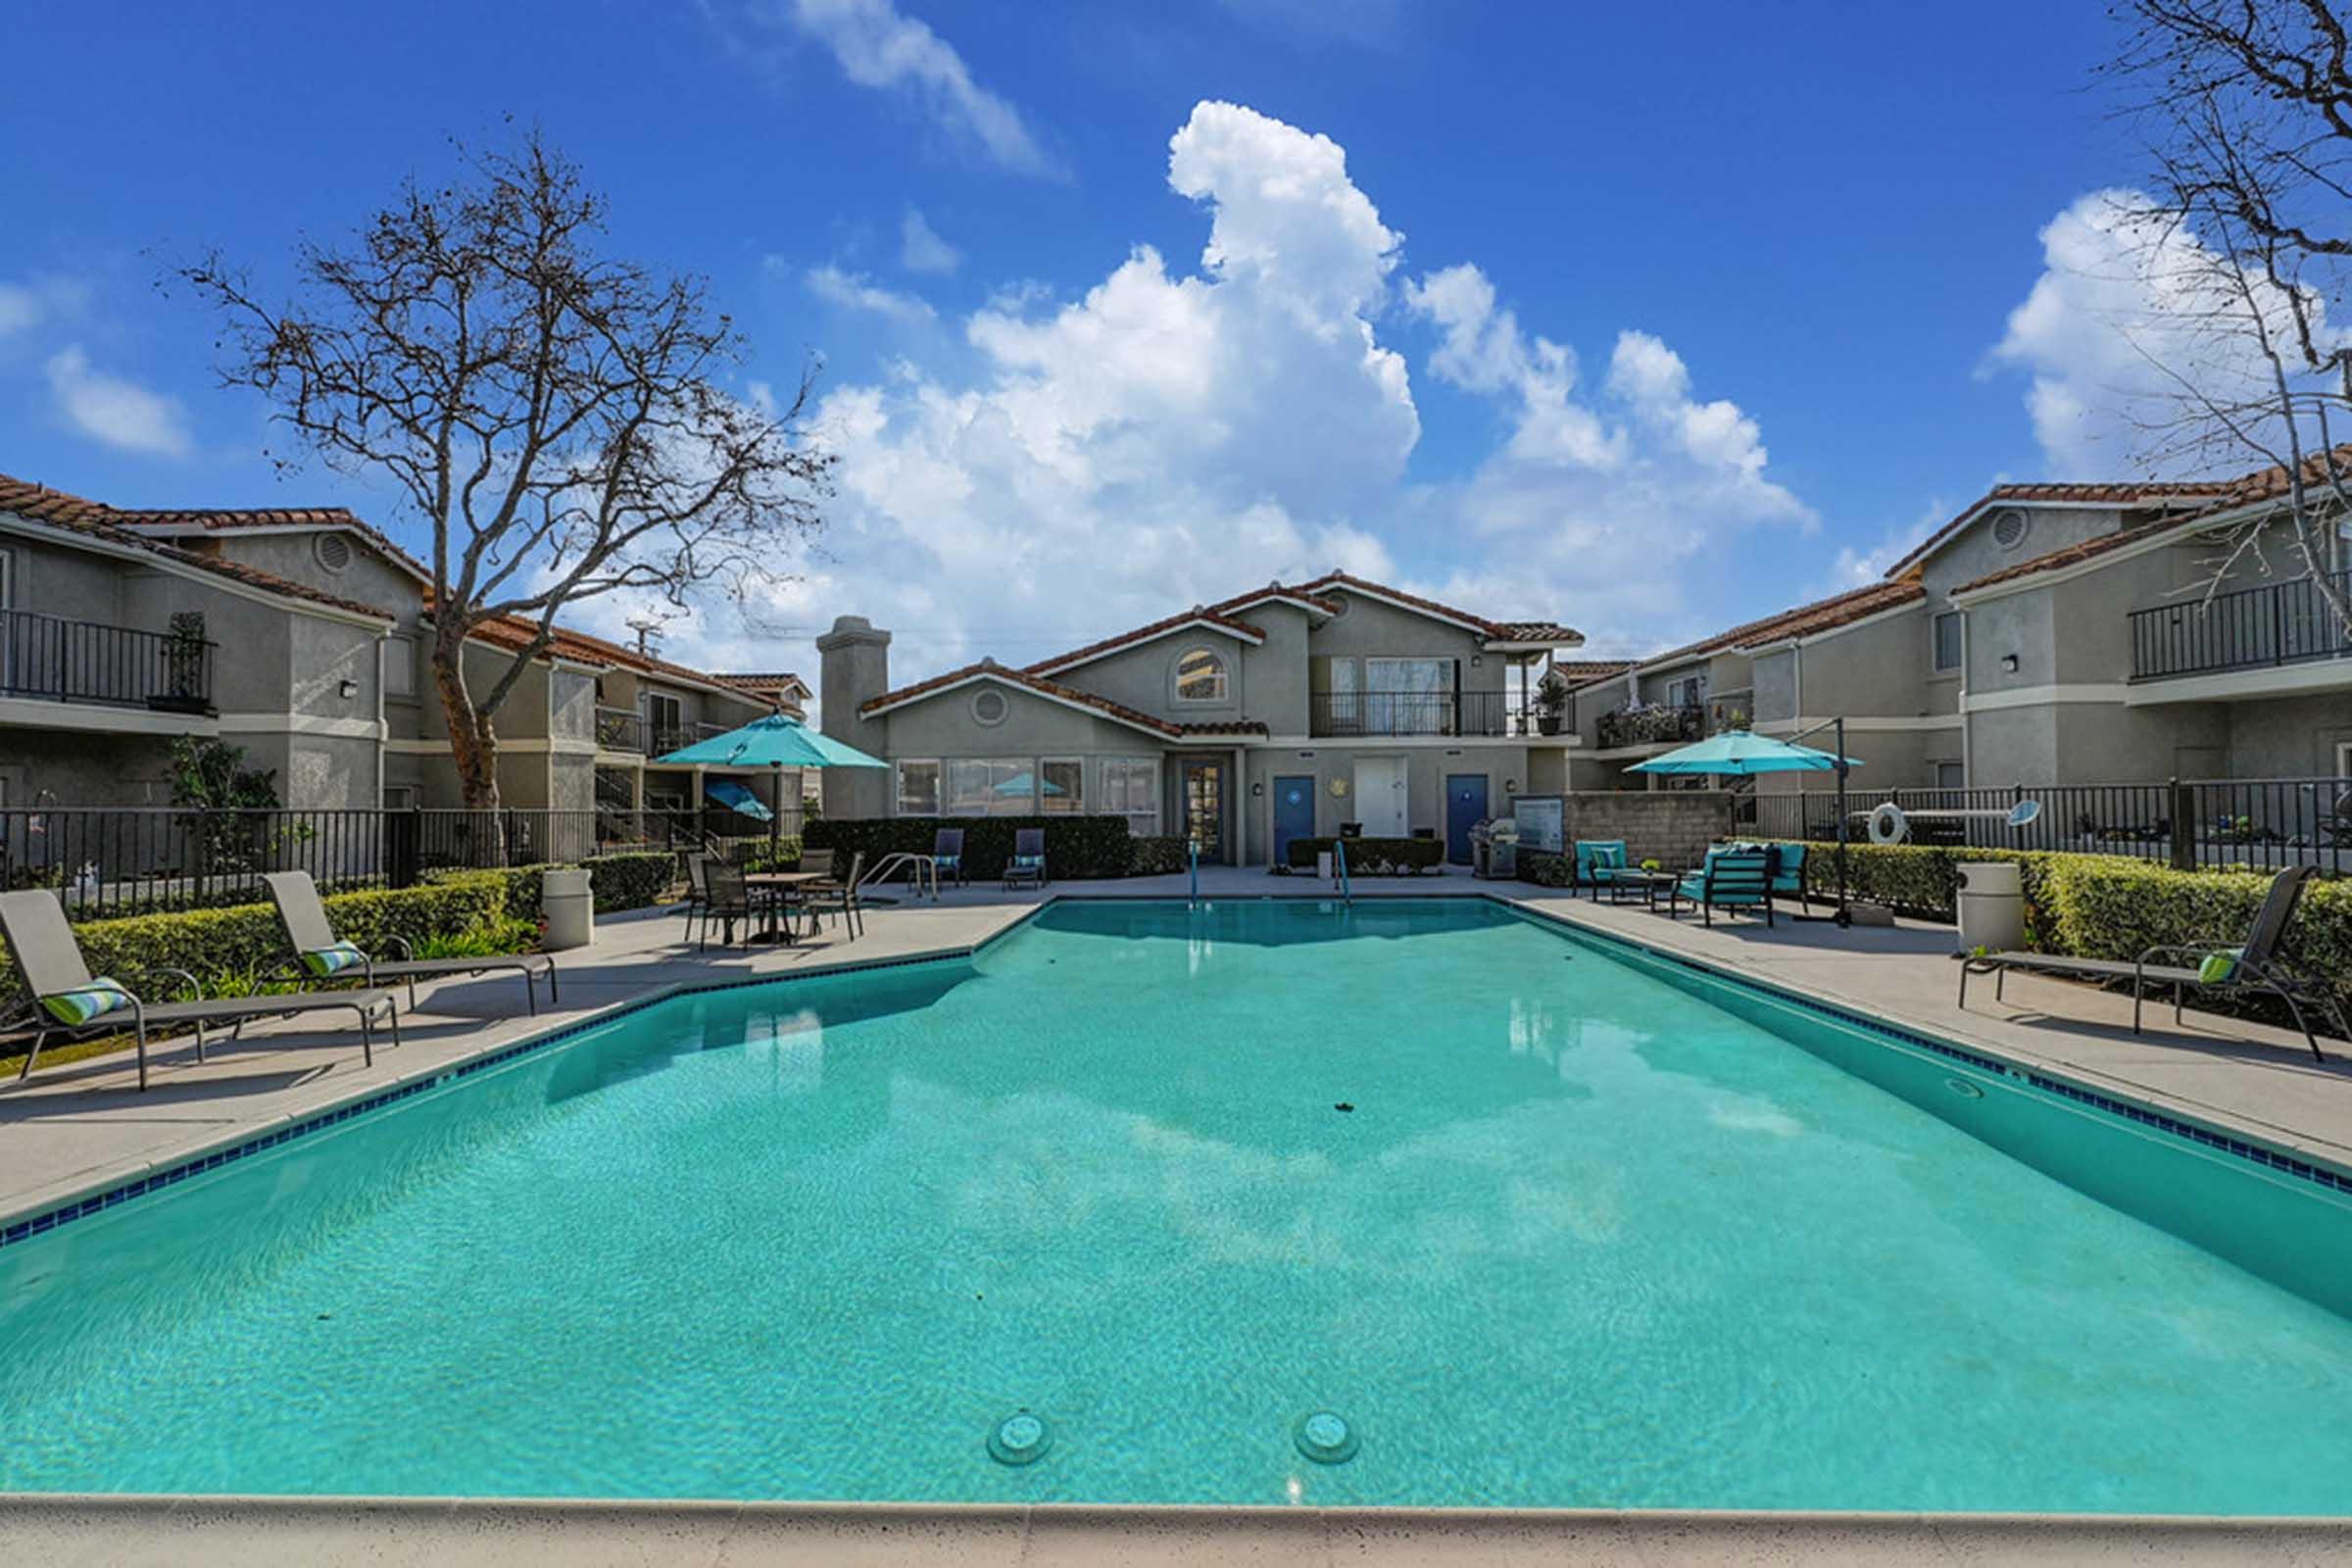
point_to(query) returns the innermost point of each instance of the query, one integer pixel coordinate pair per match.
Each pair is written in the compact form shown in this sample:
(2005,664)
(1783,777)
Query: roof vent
(333,551)
(2009,528)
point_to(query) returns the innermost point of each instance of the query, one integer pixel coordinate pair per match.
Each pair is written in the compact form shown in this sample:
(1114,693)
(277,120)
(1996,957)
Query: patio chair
(319,958)
(1789,873)
(730,899)
(2257,968)
(1028,862)
(697,894)
(819,860)
(840,900)
(63,997)
(947,855)
(1728,879)
(1598,862)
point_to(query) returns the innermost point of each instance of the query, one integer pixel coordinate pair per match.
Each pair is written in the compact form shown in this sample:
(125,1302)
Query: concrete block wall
(1673,827)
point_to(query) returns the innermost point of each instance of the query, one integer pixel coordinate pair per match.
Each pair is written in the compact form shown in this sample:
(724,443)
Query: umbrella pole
(1845,916)
(775,814)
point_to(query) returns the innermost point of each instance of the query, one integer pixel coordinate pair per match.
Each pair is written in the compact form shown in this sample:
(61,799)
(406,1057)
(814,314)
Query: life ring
(1888,825)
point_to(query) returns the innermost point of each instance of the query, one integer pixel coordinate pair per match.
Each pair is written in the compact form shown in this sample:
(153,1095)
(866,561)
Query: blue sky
(1651,318)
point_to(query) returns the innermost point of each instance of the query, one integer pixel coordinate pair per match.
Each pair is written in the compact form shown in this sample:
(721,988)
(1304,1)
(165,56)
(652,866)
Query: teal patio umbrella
(776,742)
(1739,752)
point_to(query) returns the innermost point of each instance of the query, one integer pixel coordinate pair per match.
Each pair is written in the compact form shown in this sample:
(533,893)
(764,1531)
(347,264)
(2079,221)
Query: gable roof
(513,633)
(1805,620)
(1197,616)
(1506,631)
(778,683)
(95,519)
(2250,489)
(1586,672)
(990,670)
(2047,494)
(170,522)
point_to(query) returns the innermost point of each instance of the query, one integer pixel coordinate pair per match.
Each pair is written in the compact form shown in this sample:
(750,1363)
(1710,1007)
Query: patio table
(785,883)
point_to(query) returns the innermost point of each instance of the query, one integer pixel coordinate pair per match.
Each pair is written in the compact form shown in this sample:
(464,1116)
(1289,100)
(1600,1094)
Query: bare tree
(2245,107)
(552,417)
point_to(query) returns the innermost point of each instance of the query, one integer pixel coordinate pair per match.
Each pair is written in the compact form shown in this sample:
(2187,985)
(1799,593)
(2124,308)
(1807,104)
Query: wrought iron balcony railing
(1334,714)
(52,658)
(619,730)
(2252,628)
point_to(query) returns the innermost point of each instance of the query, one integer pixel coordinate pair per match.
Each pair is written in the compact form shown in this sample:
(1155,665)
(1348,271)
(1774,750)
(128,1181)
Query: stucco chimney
(854,668)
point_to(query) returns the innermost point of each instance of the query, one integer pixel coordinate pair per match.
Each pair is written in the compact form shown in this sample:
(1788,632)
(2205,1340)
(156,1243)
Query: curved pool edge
(73,1529)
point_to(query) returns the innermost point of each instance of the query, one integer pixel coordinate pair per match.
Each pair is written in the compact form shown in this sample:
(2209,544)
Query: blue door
(1466,807)
(1293,814)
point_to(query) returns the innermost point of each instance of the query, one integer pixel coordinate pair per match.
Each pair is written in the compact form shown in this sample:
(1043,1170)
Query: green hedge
(1157,855)
(1368,857)
(636,880)
(762,854)
(1547,868)
(1076,847)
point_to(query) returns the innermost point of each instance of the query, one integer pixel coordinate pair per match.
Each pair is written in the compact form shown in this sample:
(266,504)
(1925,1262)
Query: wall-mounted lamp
(2009,664)
(1258,788)
(1477,660)
(349,688)
(1510,786)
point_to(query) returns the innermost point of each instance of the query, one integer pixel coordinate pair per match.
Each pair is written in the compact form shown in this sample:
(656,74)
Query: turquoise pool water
(1586,1238)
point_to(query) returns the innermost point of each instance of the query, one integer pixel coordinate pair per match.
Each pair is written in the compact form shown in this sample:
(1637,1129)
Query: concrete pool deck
(83,1127)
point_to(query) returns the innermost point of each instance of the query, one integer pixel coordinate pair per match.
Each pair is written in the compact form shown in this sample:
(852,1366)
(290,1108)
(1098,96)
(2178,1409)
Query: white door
(1380,795)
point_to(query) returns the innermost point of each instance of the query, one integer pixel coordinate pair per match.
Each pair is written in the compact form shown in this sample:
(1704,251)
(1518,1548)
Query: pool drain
(1324,1437)
(1020,1439)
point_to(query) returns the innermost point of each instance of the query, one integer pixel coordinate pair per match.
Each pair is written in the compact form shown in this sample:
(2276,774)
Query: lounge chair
(839,900)
(1728,879)
(318,955)
(1598,862)
(1028,862)
(2259,967)
(947,855)
(51,970)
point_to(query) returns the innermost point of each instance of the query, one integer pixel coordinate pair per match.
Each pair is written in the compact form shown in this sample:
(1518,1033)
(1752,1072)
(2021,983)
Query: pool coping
(64,1528)
(2158,1112)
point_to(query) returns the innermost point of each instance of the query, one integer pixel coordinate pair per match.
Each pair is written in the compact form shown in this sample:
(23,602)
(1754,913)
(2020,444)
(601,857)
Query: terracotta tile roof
(1095,650)
(1536,631)
(227,520)
(1586,672)
(98,520)
(1035,683)
(1822,614)
(1273,590)
(1223,726)
(783,685)
(515,633)
(2263,484)
(2089,494)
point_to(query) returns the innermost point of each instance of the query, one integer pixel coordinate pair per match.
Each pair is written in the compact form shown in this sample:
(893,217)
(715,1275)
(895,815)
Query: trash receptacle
(569,907)
(1992,907)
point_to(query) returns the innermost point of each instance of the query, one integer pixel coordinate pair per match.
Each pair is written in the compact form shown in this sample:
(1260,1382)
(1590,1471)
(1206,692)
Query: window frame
(1072,804)
(406,692)
(990,806)
(1150,818)
(897,784)
(1945,762)
(1959,619)
(1224,671)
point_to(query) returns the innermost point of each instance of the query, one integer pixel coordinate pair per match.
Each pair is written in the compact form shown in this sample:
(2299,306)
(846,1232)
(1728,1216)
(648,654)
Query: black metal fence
(56,660)
(139,859)
(2191,823)
(2284,624)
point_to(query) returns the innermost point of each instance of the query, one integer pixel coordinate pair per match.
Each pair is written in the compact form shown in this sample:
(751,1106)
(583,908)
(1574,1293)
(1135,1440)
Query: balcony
(670,738)
(49,658)
(1649,726)
(2253,628)
(1727,711)
(619,730)
(1341,715)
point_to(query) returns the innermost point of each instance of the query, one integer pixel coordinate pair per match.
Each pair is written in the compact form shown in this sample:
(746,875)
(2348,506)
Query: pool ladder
(1192,859)
(1339,860)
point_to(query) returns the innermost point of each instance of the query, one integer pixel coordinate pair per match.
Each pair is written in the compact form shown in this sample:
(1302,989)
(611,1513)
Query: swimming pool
(1545,1221)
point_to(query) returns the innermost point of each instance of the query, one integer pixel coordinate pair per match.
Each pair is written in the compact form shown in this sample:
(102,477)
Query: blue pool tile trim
(2275,1159)
(40,1224)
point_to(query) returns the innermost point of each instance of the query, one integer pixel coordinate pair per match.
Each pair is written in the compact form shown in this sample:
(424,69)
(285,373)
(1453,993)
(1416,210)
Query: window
(1408,695)
(1061,787)
(1131,788)
(2343,760)
(1688,692)
(665,723)
(400,667)
(990,787)
(1200,677)
(400,797)
(1347,708)
(918,789)
(1948,642)
(1950,776)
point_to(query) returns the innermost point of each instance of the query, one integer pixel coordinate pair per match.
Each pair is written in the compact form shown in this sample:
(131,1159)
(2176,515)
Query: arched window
(1200,677)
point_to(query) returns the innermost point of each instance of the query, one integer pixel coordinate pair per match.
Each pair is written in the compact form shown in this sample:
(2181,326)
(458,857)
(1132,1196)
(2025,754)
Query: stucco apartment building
(2049,634)
(1277,714)
(301,635)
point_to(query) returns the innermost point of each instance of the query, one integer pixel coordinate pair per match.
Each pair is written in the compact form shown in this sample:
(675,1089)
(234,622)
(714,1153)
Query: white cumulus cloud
(2132,322)
(117,412)
(921,250)
(878,47)
(854,291)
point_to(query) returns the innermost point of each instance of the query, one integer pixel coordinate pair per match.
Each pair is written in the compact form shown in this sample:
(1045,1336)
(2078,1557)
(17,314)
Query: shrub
(1076,847)
(1157,855)
(783,855)
(1547,868)
(1373,856)
(635,880)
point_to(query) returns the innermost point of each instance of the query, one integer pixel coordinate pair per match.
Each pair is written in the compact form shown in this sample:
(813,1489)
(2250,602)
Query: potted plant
(1551,701)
